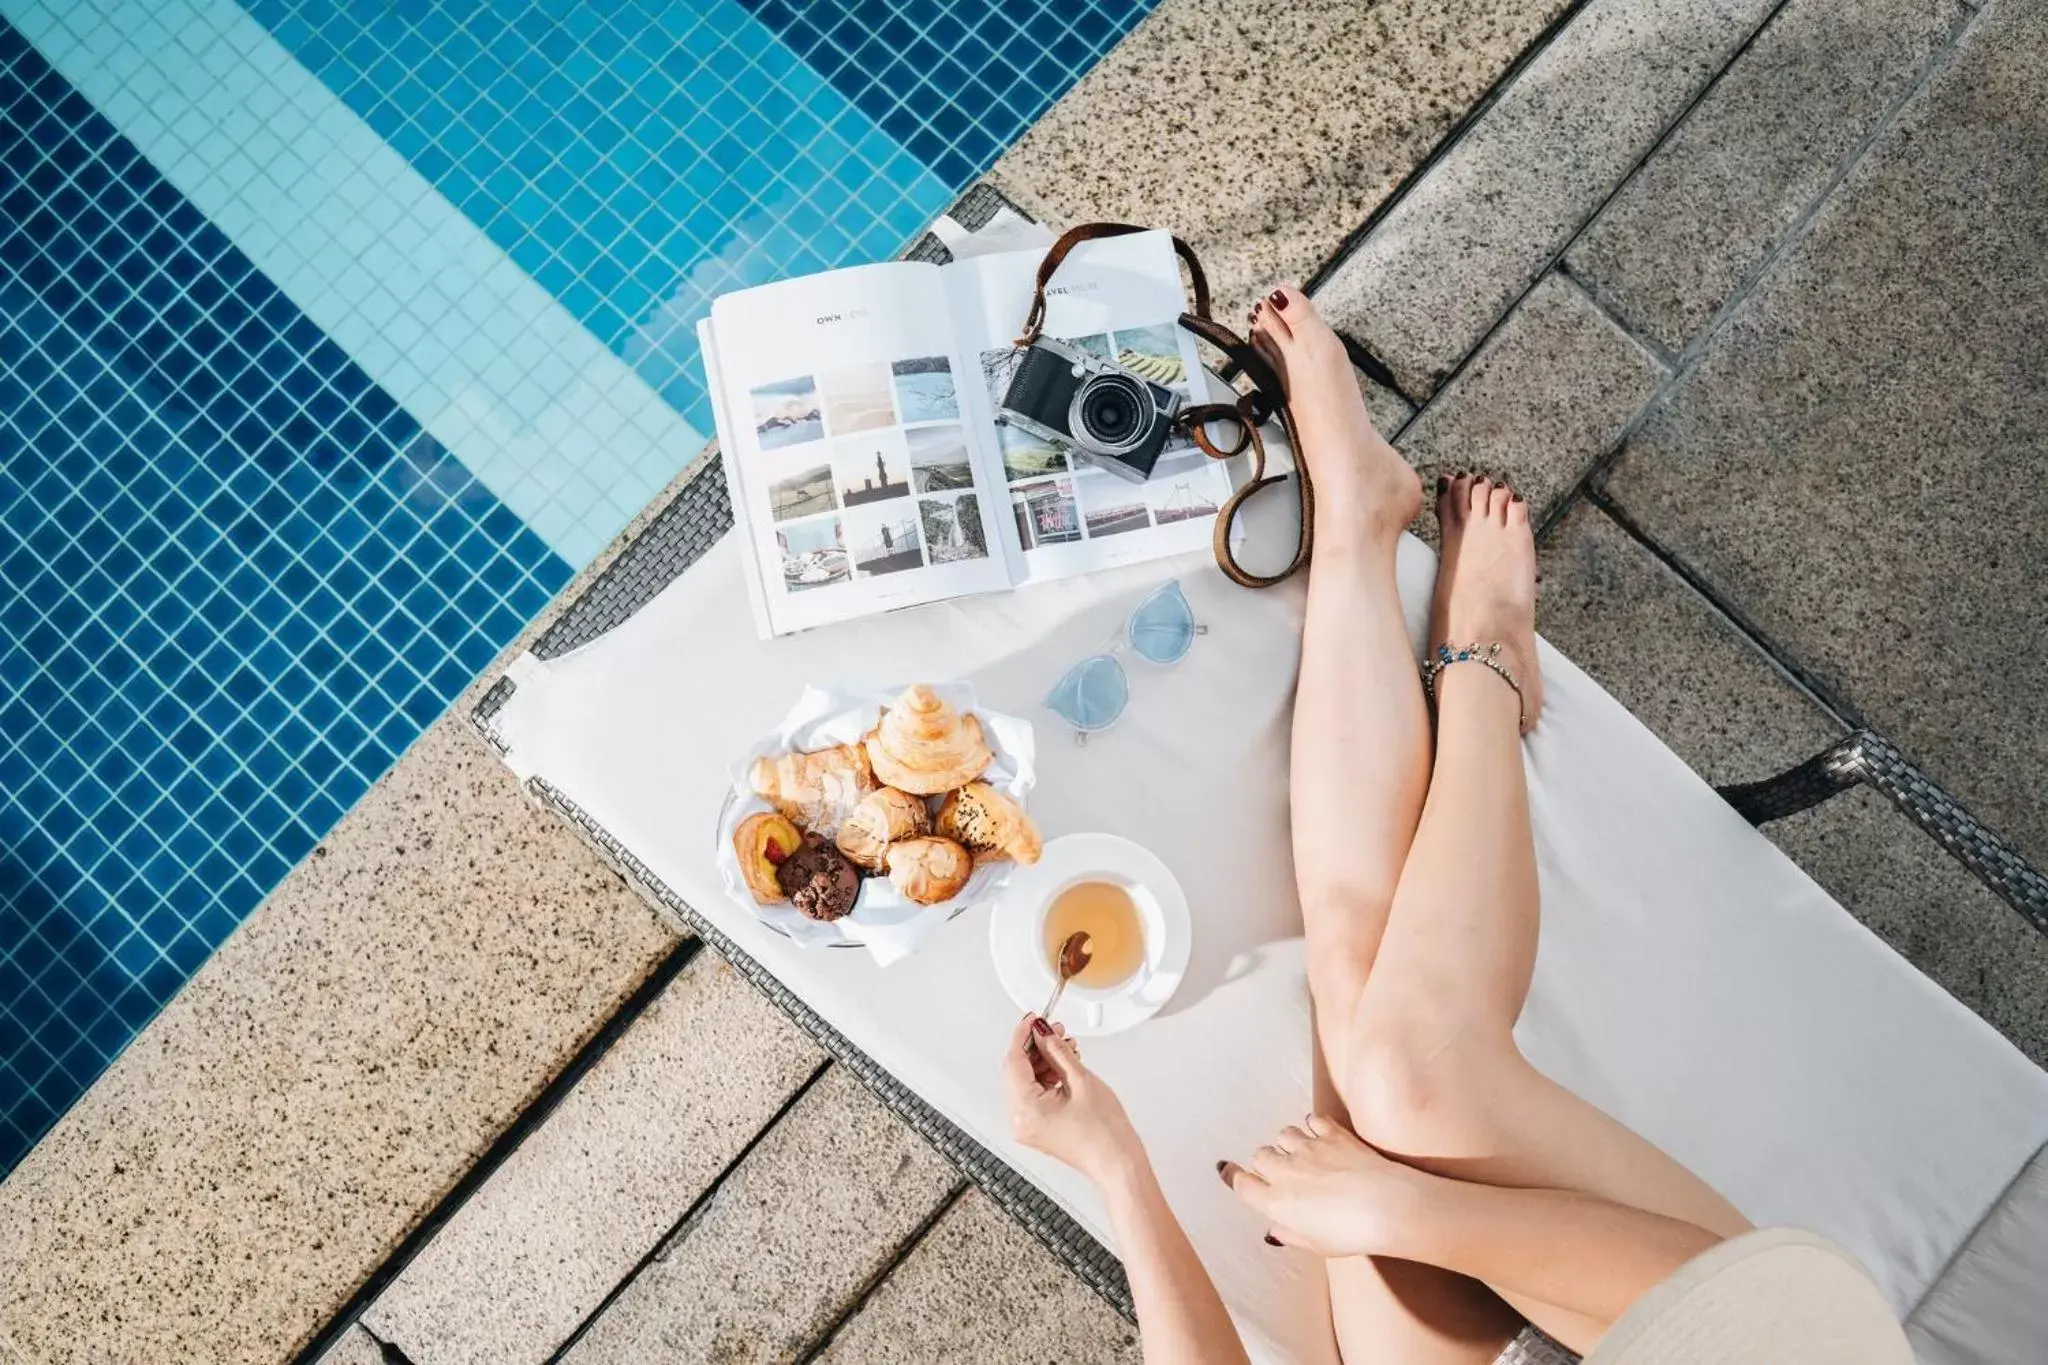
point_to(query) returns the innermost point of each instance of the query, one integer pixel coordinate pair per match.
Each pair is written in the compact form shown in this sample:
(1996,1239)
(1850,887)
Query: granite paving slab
(813,1216)
(356,1347)
(1689,673)
(978,1288)
(1265,132)
(1545,398)
(324,1078)
(594,1189)
(1856,459)
(1757,151)
(1427,283)
(1679,666)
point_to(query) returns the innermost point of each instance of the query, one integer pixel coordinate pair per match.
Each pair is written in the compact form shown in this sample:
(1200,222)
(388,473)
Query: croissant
(923,746)
(816,791)
(990,823)
(881,818)
(929,869)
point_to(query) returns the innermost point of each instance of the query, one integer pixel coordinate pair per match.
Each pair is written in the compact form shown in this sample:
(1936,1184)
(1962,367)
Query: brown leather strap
(1226,516)
(1034,321)
(1267,400)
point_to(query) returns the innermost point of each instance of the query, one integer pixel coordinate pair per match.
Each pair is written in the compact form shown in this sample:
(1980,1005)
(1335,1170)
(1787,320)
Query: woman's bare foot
(1486,580)
(1326,1191)
(1363,486)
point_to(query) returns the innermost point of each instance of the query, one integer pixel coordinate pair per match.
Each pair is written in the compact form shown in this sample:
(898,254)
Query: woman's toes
(1272,313)
(1497,502)
(1481,489)
(1518,511)
(1452,502)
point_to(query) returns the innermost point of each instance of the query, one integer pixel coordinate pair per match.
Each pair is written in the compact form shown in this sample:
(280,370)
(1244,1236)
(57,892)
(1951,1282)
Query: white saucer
(1016,935)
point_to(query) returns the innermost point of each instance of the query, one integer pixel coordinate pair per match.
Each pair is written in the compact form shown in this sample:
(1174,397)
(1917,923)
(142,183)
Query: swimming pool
(334,336)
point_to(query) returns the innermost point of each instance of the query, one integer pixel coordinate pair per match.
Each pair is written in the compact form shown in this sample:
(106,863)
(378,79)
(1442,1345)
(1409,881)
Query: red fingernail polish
(1040,1027)
(1273,1241)
(1223,1169)
(1278,298)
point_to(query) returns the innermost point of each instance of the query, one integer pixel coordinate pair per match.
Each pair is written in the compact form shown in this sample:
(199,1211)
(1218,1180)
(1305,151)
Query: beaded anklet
(1433,668)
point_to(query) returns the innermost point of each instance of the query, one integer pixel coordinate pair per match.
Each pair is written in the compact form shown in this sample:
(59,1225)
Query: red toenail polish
(1273,1241)
(1277,298)
(1041,1028)
(1442,483)
(1223,1171)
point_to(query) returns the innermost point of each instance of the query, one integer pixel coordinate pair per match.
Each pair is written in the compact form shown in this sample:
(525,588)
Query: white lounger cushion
(1691,980)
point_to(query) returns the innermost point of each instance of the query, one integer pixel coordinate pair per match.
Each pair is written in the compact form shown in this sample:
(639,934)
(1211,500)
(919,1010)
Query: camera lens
(1111,413)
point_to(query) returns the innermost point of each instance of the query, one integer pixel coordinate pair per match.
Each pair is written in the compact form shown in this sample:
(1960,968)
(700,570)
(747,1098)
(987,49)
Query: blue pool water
(259,523)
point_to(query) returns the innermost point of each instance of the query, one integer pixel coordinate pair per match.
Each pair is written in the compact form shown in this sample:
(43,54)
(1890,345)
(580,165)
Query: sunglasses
(1094,693)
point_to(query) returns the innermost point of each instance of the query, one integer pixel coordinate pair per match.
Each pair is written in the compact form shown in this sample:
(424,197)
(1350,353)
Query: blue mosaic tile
(636,159)
(954,81)
(236,580)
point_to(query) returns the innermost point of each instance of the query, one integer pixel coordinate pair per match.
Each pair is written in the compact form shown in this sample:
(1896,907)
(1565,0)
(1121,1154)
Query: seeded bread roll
(989,823)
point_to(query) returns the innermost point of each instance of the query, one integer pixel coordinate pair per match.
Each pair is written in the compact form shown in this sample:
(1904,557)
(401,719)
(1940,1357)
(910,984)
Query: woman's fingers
(1017,1066)
(1058,1050)
(1267,1159)
(1238,1178)
(1291,1139)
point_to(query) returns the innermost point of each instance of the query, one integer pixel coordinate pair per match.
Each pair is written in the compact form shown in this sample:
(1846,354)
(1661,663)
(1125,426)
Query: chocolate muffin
(819,880)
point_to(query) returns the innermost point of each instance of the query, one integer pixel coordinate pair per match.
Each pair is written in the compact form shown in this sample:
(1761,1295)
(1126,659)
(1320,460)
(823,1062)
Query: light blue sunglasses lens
(1092,694)
(1162,629)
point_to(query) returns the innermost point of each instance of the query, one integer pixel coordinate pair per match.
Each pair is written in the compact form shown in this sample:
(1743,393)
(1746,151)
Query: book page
(1119,298)
(847,449)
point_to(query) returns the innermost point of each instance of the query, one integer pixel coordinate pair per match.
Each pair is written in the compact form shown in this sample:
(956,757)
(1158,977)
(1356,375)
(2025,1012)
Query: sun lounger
(1690,979)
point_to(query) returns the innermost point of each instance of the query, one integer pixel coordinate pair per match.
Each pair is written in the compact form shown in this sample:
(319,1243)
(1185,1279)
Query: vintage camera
(1117,419)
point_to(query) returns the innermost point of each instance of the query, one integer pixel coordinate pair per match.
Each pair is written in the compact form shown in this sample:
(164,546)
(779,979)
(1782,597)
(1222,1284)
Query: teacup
(1049,900)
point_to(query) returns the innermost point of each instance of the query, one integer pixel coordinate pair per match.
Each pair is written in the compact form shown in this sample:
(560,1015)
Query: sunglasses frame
(1110,656)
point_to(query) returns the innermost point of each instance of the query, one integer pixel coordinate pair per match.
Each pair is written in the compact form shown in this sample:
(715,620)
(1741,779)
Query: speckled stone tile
(597,1186)
(319,1083)
(1545,398)
(1665,653)
(1264,132)
(1856,459)
(1669,250)
(787,1242)
(980,1288)
(356,1347)
(327,1076)
(1463,243)
(1689,674)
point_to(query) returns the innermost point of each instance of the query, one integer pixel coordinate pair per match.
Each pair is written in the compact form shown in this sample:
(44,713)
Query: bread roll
(881,818)
(989,823)
(929,869)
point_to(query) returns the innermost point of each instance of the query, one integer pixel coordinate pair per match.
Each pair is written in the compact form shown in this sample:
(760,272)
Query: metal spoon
(1074,956)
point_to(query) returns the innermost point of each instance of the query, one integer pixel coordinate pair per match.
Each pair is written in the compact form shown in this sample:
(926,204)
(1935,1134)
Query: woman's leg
(1434,1075)
(1360,768)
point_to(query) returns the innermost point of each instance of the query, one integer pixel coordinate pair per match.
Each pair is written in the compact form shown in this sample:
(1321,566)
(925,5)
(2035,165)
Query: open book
(868,467)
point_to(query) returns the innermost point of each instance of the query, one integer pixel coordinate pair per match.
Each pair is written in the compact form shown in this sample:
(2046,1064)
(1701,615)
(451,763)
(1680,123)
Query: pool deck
(1745,295)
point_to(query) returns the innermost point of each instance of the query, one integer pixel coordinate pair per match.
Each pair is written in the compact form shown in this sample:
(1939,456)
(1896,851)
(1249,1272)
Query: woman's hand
(1322,1188)
(1060,1107)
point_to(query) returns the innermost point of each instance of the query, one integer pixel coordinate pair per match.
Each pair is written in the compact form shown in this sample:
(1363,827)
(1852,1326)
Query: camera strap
(1266,401)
